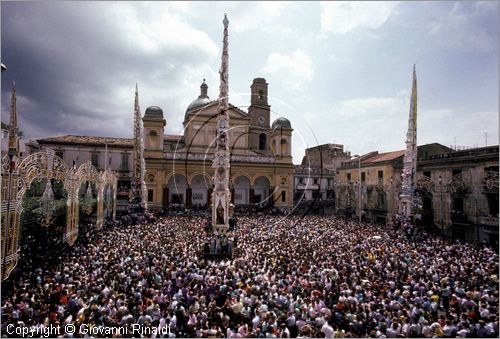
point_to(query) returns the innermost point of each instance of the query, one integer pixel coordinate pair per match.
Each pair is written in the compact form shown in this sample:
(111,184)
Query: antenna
(485,139)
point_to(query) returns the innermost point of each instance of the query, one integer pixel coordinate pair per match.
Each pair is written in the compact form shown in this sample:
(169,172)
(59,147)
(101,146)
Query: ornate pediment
(211,109)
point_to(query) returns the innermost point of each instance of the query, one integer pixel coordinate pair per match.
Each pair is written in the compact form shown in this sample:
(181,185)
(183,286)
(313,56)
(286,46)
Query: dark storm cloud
(70,61)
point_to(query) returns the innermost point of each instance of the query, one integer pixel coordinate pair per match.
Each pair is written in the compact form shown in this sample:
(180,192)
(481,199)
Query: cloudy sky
(339,71)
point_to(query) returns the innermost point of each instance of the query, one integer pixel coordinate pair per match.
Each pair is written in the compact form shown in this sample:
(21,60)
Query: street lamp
(359,185)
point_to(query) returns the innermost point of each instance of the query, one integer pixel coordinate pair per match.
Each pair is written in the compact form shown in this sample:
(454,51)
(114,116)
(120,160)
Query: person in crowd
(312,276)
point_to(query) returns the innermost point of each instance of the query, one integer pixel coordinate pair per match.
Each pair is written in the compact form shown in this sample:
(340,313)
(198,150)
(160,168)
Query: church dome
(198,103)
(153,112)
(281,122)
(202,99)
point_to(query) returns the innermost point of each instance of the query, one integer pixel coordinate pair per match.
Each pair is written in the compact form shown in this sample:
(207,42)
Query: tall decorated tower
(408,177)
(221,196)
(13,130)
(139,191)
(10,182)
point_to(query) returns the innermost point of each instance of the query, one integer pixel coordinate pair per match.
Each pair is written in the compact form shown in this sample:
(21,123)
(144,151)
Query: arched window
(283,146)
(262,141)
(153,139)
(261,95)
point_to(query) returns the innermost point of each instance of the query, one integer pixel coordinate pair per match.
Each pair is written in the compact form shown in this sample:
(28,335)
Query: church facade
(179,167)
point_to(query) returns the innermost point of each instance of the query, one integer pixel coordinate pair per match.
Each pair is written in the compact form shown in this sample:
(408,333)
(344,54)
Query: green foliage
(32,210)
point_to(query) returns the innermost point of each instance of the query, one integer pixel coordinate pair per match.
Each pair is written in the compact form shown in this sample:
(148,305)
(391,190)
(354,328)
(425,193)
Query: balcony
(459,218)
(307,187)
(488,221)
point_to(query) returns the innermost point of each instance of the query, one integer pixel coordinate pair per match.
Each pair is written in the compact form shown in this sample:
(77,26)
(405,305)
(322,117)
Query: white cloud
(367,123)
(468,130)
(380,124)
(156,28)
(371,107)
(243,15)
(257,15)
(466,27)
(295,70)
(346,16)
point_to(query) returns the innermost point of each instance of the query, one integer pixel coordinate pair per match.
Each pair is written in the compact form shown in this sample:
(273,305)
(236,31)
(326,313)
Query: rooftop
(387,156)
(328,145)
(299,169)
(87,140)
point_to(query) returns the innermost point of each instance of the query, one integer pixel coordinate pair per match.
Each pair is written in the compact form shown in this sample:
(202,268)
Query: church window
(283,146)
(124,165)
(262,141)
(95,160)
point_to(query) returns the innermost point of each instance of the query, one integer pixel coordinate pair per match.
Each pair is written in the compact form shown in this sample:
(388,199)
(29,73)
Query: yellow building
(457,189)
(377,198)
(179,167)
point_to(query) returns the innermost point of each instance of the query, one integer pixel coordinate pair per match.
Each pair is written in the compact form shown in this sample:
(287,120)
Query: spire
(408,176)
(136,99)
(221,195)
(224,73)
(203,90)
(13,130)
(138,186)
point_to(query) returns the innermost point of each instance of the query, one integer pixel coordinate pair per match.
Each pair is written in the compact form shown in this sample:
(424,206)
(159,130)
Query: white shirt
(327,330)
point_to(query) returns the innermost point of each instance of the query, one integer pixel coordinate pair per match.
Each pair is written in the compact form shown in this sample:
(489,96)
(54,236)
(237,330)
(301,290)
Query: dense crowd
(290,277)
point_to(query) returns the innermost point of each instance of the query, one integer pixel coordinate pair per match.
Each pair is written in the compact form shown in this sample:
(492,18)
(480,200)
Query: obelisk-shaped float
(139,197)
(408,177)
(221,195)
(13,130)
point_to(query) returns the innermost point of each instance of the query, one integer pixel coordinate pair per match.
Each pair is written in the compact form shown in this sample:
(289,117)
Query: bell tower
(259,113)
(259,107)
